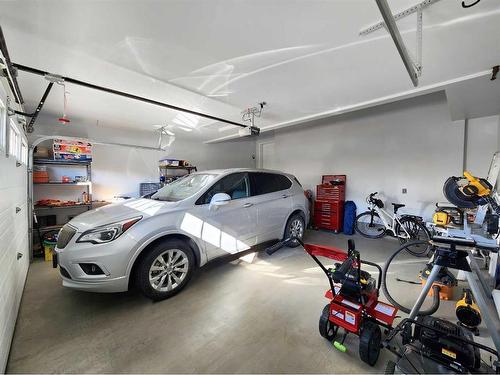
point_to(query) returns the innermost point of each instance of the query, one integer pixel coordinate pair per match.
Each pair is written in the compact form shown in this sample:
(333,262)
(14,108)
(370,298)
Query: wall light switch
(404,191)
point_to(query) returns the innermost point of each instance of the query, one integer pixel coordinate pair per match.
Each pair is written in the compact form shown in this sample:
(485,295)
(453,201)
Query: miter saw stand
(455,248)
(475,231)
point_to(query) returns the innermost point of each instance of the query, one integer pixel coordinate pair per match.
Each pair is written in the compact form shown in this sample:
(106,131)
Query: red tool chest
(329,204)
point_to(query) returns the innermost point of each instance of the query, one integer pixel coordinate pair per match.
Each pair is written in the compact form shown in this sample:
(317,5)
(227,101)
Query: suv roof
(232,170)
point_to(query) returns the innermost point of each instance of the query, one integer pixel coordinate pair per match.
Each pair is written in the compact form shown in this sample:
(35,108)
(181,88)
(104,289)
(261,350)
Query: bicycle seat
(397,206)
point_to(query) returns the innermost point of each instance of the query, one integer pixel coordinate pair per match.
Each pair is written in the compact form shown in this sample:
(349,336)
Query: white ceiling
(303,57)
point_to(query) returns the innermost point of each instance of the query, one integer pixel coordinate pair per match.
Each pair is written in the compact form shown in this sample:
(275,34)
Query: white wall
(411,144)
(482,142)
(121,169)
(118,170)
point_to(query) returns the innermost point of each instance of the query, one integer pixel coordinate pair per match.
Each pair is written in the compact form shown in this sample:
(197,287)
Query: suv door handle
(246,205)
(285,196)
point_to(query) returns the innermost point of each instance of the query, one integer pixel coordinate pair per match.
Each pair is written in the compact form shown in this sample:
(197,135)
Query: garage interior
(105,102)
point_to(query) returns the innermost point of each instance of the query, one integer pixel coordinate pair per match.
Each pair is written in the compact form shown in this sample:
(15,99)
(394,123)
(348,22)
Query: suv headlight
(107,233)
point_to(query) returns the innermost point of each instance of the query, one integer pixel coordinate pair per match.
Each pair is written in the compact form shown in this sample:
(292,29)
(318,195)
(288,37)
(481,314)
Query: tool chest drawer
(334,225)
(328,192)
(332,222)
(328,206)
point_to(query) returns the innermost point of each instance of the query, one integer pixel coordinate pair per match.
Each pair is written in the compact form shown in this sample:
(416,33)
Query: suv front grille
(65,235)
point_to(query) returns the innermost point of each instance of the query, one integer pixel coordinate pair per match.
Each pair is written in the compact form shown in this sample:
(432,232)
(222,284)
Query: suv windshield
(184,187)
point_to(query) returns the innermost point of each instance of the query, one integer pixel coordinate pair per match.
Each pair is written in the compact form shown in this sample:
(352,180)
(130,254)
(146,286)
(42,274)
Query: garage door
(14,259)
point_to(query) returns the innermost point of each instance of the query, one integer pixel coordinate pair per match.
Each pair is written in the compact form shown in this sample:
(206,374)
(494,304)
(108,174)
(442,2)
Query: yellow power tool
(476,186)
(469,192)
(467,311)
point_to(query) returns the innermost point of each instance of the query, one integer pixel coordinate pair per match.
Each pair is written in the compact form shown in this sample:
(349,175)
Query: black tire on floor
(370,338)
(293,220)
(327,329)
(143,270)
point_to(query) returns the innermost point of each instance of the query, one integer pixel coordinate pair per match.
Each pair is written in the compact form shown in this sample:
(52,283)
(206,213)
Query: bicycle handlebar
(369,199)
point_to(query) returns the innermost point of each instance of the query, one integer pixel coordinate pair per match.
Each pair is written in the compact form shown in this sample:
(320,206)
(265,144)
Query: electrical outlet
(404,191)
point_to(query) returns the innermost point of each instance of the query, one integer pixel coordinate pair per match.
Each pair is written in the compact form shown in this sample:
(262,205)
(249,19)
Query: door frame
(260,149)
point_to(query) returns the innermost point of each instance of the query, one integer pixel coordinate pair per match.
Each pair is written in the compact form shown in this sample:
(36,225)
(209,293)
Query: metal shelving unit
(63,183)
(171,172)
(59,207)
(41,211)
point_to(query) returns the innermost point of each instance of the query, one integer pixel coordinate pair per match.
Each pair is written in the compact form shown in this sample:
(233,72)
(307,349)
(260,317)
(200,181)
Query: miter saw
(473,195)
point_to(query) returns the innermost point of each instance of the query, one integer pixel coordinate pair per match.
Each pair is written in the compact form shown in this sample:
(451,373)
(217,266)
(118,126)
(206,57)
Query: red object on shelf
(40,177)
(329,204)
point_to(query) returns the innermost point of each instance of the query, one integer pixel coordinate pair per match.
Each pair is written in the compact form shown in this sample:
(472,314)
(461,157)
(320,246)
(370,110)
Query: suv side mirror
(219,199)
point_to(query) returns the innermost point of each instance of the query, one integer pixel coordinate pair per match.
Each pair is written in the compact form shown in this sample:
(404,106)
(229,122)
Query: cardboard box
(72,150)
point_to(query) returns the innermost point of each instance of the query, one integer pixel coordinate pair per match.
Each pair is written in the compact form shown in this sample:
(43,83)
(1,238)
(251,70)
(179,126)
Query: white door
(230,228)
(14,258)
(267,156)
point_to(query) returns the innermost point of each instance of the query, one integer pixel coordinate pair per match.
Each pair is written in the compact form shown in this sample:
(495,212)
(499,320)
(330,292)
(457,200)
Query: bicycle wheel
(412,229)
(369,224)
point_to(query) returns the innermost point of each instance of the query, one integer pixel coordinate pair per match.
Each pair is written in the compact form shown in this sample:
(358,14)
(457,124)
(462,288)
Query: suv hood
(121,211)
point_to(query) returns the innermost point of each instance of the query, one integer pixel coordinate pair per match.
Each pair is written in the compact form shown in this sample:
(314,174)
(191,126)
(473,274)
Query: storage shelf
(176,167)
(86,205)
(62,162)
(48,228)
(88,183)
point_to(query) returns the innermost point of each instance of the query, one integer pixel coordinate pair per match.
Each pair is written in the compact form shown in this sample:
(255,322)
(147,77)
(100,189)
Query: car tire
(165,269)
(295,225)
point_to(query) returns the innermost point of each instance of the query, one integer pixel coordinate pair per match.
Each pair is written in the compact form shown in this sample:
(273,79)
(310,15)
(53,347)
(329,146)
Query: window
(3,130)
(236,185)
(15,141)
(264,183)
(24,152)
(184,187)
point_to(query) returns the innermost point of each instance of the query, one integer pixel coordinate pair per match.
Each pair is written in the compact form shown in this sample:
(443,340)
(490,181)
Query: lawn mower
(353,295)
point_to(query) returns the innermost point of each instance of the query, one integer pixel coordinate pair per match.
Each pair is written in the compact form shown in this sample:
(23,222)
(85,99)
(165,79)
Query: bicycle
(377,223)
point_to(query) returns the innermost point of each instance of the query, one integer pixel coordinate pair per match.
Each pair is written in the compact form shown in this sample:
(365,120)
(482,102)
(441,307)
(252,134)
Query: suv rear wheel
(165,269)
(295,227)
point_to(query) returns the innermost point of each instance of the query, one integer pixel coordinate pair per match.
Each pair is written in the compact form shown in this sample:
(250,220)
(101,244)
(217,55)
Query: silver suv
(157,242)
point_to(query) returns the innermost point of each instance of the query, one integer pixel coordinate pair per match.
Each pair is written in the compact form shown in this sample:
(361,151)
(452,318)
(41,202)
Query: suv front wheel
(295,227)
(165,269)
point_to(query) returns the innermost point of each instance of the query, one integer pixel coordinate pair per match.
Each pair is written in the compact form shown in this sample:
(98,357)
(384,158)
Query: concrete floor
(253,315)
